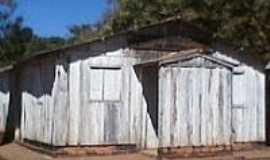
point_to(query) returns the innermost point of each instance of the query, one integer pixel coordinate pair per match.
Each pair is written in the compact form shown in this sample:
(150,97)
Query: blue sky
(53,17)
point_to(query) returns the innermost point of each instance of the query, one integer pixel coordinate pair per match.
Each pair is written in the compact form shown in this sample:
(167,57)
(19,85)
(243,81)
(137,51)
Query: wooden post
(267,109)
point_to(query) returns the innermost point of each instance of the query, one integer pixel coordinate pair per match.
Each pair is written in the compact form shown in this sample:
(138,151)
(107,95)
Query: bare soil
(16,152)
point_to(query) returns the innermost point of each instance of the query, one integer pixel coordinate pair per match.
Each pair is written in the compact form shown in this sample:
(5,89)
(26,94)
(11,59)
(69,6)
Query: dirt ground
(16,152)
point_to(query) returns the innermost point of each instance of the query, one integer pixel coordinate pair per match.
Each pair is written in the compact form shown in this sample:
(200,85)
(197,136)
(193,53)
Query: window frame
(105,68)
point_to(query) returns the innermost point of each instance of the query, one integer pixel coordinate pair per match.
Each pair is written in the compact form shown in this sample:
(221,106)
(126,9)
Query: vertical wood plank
(74,102)
(165,107)
(60,103)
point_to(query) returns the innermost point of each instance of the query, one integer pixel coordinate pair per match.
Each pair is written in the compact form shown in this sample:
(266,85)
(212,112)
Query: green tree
(84,32)
(17,40)
(14,41)
(39,44)
(13,36)
(242,22)
(130,14)
(88,32)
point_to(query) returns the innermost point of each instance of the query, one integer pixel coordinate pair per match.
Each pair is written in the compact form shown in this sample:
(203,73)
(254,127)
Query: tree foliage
(39,44)
(130,14)
(17,40)
(13,41)
(242,22)
(88,32)
(85,32)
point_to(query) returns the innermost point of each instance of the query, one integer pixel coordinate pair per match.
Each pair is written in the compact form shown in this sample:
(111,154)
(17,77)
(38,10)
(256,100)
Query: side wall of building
(248,105)
(44,100)
(248,109)
(81,99)
(4,102)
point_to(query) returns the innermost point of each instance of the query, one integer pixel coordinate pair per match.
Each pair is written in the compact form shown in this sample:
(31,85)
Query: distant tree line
(242,22)
(17,40)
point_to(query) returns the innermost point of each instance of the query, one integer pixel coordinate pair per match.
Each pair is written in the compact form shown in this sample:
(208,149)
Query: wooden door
(194,106)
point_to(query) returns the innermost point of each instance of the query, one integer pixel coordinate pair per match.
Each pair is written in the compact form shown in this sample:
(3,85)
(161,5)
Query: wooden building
(267,88)
(163,86)
(4,100)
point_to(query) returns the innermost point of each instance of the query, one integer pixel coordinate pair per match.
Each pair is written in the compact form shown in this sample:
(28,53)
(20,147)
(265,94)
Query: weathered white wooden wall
(195,106)
(44,102)
(116,114)
(99,100)
(248,108)
(4,100)
(248,105)
(63,105)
